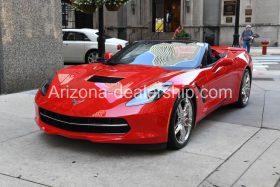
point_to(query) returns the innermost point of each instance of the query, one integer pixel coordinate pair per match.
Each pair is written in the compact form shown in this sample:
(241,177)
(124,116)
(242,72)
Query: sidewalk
(231,147)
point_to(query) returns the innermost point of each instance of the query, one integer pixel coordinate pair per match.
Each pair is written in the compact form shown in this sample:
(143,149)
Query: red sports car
(148,93)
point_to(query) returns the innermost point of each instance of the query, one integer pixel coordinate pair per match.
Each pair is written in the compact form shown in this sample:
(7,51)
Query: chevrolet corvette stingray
(150,92)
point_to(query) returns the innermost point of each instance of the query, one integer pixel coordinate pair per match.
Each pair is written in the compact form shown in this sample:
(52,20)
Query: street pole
(236,26)
(101,38)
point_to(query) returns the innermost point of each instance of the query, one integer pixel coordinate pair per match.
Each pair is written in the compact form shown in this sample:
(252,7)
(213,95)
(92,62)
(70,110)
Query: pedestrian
(246,38)
(177,31)
(168,21)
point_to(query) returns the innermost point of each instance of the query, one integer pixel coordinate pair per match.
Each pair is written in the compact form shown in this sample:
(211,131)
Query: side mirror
(223,62)
(108,55)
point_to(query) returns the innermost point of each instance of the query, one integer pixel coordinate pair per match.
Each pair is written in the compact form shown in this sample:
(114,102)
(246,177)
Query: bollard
(264,47)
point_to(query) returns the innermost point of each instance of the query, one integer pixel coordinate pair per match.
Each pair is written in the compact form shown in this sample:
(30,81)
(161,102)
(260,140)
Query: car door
(218,87)
(74,46)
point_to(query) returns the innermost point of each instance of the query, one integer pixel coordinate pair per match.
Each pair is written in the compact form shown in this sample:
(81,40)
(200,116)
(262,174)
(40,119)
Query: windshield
(172,54)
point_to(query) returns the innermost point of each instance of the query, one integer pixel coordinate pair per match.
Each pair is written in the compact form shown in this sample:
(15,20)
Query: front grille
(84,124)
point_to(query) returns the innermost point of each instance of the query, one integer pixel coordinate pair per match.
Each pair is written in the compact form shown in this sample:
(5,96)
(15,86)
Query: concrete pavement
(231,147)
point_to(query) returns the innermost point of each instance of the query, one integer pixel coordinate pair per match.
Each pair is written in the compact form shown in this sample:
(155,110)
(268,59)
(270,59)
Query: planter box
(112,7)
(183,38)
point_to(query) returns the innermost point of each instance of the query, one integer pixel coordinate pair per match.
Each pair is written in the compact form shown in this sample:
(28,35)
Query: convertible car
(151,92)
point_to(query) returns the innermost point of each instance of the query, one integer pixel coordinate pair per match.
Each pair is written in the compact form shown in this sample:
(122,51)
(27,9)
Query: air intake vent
(84,124)
(101,79)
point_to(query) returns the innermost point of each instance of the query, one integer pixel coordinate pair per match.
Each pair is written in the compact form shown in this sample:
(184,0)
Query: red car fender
(197,100)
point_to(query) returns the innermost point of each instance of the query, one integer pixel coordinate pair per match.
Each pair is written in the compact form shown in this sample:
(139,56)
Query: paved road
(231,147)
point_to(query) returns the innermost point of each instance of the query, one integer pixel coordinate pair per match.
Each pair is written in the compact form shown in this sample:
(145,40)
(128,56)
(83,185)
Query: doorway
(160,8)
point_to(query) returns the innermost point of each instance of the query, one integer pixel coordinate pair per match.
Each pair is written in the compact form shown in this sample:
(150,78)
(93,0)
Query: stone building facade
(206,20)
(30,43)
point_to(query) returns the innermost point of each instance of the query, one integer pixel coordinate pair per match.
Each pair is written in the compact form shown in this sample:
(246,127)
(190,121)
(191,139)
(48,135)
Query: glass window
(74,36)
(167,54)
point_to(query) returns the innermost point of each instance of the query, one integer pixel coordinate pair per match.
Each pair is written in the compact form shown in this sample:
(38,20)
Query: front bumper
(84,124)
(144,127)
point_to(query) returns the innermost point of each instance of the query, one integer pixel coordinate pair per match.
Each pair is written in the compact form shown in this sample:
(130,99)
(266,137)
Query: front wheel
(245,89)
(181,123)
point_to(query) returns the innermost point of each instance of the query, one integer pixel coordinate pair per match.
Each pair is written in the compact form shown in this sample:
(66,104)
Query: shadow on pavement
(107,150)
(225,110)
(112,150)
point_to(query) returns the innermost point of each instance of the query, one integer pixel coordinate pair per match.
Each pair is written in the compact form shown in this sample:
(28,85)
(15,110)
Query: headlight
(150,94)
(45,87)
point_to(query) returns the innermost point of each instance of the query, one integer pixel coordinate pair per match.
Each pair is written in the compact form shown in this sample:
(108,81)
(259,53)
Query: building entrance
(169,12)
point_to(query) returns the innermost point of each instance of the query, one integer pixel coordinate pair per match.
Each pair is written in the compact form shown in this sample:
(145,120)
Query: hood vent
(101,79)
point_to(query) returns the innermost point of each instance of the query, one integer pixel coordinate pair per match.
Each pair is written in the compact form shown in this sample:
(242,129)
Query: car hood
(122,79)
(110,97)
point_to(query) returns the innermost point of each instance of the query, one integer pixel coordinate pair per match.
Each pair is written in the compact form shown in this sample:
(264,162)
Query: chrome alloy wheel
(92,57)
(183,121)
(246,87)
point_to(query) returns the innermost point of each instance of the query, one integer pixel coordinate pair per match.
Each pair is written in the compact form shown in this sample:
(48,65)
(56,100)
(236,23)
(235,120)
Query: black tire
(244,97)
(89,56)
(173,142)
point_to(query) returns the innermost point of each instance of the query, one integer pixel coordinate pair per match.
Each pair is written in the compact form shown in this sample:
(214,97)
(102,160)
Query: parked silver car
(81,46)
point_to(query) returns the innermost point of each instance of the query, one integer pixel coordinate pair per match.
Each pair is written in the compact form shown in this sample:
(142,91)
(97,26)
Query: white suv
(81,46)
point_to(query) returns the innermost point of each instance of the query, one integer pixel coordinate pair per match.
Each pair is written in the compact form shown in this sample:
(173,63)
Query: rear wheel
(181,123)
(245,89)
(91,56)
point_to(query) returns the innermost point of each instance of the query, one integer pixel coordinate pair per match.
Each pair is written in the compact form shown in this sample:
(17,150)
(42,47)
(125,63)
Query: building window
(248,12)
(248,19)
(229,8)
(68,15)
(75,19)
(188,5)
(228,19)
